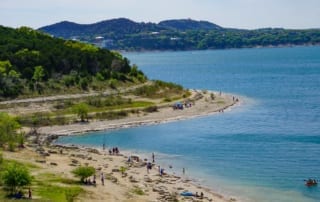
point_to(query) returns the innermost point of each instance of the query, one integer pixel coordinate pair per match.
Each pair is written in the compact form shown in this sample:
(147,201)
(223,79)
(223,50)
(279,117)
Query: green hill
(183,34)
(33,63)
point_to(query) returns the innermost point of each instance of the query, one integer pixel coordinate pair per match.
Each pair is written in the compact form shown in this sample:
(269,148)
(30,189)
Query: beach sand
(117,187)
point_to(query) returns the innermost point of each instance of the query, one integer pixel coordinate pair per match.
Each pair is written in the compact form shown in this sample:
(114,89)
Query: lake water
(259,151)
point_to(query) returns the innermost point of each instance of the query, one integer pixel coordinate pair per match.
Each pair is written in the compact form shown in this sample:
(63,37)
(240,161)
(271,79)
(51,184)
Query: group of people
(94,180)
(180,105)
(311,182)
(200,196)
(114,151)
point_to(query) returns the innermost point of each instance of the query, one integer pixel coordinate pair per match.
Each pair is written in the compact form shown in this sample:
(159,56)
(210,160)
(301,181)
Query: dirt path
(74,96)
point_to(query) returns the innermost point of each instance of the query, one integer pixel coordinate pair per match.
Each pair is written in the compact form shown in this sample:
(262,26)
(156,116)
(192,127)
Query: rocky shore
(125,180)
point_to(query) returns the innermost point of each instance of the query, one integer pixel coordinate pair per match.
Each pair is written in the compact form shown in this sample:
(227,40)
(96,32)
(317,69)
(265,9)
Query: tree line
(125,34)
(32,62)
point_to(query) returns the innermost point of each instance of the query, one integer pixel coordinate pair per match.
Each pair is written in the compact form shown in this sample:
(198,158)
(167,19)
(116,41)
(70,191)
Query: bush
(81,110)
(1,158)
(138,191)
(84,172)
(12,146)
(15,177)
(167,99)
(151,109)
(111,115)
(21,140)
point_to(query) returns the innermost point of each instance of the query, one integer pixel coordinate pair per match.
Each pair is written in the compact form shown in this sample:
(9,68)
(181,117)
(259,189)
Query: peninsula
(52,87)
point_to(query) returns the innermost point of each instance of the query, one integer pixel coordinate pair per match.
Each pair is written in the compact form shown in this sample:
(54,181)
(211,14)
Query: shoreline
(201,107)
(61,160)
(221,49)
(155,186)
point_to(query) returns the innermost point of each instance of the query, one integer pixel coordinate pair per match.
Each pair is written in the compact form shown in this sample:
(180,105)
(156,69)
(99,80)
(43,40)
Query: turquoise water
(259,151)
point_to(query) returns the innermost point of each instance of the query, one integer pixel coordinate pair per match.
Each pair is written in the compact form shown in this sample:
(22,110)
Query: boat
(311,182)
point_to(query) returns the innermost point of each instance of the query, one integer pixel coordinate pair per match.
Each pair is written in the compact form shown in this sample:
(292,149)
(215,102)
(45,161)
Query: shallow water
(259,151)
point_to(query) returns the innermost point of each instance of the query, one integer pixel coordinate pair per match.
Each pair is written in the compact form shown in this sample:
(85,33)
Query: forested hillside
(185,34)
(34,63)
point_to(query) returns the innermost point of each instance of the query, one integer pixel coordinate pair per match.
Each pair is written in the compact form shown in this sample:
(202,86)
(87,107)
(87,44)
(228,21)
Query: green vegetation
(84,172)
(81,110)
(58,193)
(179,35)
(90,108)
(123,171)
(159,89)
(15,177)
(33,63)
(1,158)
(137,190)
(46,186)
(8,134)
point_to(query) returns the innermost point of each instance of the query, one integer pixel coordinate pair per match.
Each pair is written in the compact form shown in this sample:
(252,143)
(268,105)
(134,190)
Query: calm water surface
(259,151)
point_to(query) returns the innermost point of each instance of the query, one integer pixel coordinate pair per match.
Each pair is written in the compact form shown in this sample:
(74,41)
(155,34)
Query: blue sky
(249,14)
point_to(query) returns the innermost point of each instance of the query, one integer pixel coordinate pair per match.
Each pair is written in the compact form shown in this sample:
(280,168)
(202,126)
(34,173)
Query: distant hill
(183,34)
(117,27)
(189,24)
(34,63)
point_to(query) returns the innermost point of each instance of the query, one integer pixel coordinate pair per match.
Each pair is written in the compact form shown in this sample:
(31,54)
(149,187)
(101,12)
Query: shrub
(12,146)
(15,177)
(151,109)
(167,99)
(21,140)
(1,158)
(84,172)
(81,110)
(138,191)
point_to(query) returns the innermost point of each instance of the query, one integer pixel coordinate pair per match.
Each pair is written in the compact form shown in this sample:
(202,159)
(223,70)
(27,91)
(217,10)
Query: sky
(248,14)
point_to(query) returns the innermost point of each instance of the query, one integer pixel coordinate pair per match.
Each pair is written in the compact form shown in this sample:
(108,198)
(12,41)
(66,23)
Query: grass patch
(5,162)
(138,191)
(45,188)
(159,89)
(50,177)
(57,193)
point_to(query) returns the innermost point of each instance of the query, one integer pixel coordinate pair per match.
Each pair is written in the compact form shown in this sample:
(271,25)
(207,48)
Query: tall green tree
(38,73)
(15,177)
(84,172)
(81,110)
(8,128)
(37,77)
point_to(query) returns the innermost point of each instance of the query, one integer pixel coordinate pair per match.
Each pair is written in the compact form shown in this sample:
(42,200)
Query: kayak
(186,193)
(310,183)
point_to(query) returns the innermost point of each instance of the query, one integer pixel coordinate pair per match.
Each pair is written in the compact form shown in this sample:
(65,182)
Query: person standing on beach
(183,171)
(30,193)
(102,179)
(149,167)
(152,157)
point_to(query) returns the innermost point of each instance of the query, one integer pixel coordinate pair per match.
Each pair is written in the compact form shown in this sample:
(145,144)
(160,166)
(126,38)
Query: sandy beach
(117,187)
(61,160)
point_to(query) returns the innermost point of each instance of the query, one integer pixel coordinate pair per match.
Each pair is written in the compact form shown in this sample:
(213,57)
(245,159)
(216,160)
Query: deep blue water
(259,151)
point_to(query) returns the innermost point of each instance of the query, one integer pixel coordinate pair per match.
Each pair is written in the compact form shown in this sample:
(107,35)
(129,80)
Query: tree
(1,158)
(8,127)
(5,67)
(81,110)
(15,177)
(38,73)
(84,172)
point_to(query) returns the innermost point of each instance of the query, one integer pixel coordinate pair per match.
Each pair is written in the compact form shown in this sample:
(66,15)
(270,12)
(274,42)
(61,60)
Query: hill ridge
(178,34)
